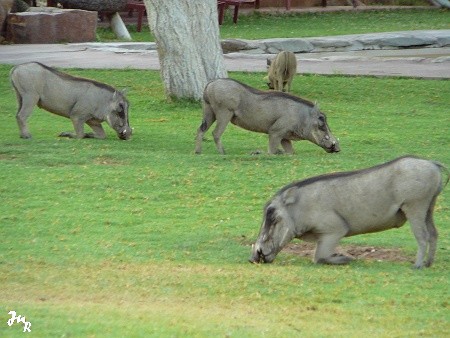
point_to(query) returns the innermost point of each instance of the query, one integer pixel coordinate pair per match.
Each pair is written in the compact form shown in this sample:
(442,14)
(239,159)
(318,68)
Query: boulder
(52,25)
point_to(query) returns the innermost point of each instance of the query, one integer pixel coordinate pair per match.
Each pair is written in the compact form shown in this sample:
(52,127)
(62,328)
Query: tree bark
(187,36)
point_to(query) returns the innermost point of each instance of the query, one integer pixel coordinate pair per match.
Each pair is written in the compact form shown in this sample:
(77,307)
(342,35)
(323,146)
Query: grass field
(142,238)
(264,26)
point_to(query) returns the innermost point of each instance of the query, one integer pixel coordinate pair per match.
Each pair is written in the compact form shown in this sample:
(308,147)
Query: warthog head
(276,231)
(118,116)
(319,133)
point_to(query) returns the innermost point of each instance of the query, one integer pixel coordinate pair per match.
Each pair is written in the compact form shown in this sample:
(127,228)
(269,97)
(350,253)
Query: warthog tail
(204,126)
(19,97)
(443,168)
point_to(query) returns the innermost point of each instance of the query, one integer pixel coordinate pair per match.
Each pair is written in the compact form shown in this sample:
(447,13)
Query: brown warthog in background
(281,71)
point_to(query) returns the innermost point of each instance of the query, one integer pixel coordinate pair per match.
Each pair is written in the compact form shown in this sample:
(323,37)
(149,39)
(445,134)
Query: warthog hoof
(335,259)
(66,134)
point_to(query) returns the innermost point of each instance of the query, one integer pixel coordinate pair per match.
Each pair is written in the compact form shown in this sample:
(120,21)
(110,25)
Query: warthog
(326,208)
(281,71)
(81,100)
(284,117)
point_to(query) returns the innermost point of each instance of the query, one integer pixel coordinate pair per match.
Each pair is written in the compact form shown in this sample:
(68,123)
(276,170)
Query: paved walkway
(410,61)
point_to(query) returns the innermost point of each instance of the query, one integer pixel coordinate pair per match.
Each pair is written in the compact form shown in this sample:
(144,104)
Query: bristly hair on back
(331,176)
(76,78)
(270,94)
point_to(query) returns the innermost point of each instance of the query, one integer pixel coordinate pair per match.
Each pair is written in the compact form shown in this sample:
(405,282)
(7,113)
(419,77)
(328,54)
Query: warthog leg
(433,234)
(97,128)
(275,140)
(287,146)
(78,124)
(223,117)
(326,246)
(425,232)
(208,119)
(27,102)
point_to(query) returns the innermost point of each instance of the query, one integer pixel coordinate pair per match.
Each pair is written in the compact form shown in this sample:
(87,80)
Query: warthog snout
(256,255)
(334,148)
(330,144)
(125,133)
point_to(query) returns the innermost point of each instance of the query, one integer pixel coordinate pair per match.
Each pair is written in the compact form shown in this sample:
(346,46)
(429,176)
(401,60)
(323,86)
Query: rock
(274,46)
(233,45)
(52,25)
(5,8)
(344,43)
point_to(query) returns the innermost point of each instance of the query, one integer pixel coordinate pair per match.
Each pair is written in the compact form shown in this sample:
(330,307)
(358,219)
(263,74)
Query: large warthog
(326,208)
(284,117)
(81,100)
(281,71)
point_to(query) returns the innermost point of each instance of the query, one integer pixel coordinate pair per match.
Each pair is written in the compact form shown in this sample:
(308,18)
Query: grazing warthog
(281,71)
(284,117)
(81,100)
(326,208)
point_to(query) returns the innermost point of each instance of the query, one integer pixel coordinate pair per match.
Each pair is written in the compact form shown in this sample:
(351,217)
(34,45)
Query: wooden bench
(237,3)
(221,10)
(139,7)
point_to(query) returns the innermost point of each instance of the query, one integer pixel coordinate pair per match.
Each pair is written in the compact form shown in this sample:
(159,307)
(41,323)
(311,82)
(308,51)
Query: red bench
(236,4)
(222,4)
(140,8)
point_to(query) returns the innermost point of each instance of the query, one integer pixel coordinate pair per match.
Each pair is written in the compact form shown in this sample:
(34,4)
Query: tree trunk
(187,36)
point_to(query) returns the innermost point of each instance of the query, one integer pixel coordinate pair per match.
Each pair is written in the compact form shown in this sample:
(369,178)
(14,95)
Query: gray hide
(284,117)
(81,100)
(326,208)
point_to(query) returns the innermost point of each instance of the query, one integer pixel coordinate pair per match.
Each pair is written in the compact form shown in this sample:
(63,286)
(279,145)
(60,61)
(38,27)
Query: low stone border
(342,43)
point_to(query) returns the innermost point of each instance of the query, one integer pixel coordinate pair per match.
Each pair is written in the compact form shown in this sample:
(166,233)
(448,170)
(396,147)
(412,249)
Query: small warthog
(281,71)
(326,208)
(284,117)
(81,100)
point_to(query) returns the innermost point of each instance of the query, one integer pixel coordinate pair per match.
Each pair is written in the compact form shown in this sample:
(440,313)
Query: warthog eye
(270,215)
(322,123)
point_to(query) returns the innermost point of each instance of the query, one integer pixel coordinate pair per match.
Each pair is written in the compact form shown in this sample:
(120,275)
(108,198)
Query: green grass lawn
(143,238)
(264,26)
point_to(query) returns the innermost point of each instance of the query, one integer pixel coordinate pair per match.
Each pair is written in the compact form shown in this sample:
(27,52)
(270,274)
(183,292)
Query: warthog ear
(119,93)
(289,196)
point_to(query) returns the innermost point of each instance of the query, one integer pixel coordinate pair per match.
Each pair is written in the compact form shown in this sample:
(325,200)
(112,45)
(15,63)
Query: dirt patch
(305,249)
